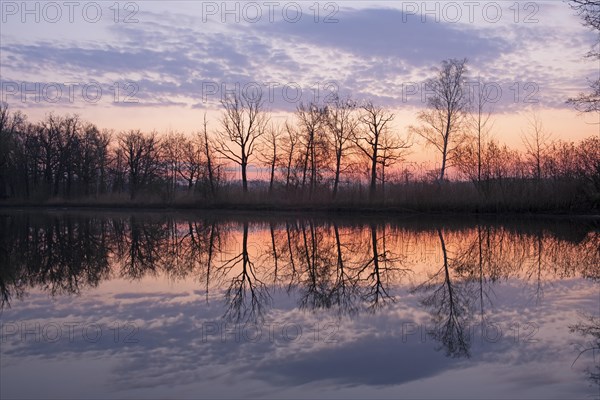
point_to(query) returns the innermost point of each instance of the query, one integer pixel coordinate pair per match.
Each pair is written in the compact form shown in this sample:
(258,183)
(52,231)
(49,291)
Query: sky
(161,65)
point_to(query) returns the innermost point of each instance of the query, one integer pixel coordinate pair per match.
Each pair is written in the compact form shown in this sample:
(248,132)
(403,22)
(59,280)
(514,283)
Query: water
(148,305)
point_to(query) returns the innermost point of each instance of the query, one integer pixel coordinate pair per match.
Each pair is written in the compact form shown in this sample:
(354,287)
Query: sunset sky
(176,59)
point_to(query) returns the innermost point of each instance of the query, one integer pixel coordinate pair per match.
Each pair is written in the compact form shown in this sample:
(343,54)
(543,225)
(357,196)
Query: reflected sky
(186,306)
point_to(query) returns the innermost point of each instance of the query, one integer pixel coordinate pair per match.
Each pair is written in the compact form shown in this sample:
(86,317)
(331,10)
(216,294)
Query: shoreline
(321,210)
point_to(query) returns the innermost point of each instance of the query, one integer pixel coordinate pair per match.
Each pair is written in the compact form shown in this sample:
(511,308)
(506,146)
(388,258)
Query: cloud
(390,34)
(370,52)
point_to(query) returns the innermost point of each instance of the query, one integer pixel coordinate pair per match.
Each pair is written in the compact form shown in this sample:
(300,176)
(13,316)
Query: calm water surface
(143,305)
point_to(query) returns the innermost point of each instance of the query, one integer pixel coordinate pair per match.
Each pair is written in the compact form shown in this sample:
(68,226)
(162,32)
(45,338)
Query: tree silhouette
(375,121)
(342,125)
(442,123)
(312,121)
(589,10)
(243,122)
(141,152)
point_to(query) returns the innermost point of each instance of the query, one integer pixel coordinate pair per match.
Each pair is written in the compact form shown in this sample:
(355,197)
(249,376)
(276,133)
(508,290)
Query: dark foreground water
(141,305)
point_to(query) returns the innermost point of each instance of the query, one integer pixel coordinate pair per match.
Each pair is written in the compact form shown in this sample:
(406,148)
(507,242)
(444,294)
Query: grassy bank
(449,206)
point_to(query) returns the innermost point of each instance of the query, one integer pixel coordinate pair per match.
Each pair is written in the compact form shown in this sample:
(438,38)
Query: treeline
(339,153)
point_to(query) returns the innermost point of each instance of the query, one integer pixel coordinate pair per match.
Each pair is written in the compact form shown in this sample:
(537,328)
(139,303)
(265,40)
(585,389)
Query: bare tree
(70,131)
(268,151)
(60,139)
(448,104)
(312,121)
(194,162)
(92,158)
(290,143)
(536,143)
(244,121)
(471,158)
(185,158)
(393,149)
(10,124)
(368,140)
(208,148)
(589,10)
(342,125)
(173,145)
(141,152)
(588,102)
(481,122)
(53,141)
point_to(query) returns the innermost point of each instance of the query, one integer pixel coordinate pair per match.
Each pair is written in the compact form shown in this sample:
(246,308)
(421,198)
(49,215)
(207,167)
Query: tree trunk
(272,180)
(337,172)
(313,169)
(244,177)
(289,170)
(444,155)
(373,187)
(211,181)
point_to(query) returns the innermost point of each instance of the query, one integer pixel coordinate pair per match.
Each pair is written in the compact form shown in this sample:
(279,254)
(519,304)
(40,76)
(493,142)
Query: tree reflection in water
(450,305)
(380,271)
(246,295)
(589,329)
(343,266)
